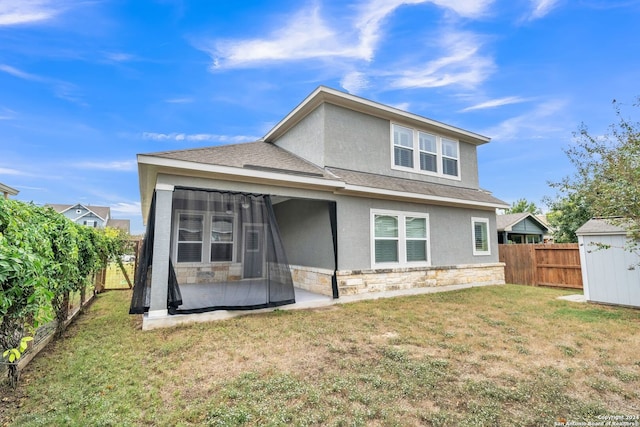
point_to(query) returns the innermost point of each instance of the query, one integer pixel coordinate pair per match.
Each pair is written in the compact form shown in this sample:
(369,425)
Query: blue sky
(85,85)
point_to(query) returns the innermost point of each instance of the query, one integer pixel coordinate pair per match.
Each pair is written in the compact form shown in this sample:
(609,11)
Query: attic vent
(278,170)
(78,211)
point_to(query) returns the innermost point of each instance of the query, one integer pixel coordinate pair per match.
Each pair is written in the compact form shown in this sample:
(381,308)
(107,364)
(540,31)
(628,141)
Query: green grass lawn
(502,355)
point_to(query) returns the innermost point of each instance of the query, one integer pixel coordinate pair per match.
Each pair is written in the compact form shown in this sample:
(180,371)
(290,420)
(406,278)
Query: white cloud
(542,121)
(154,136)
(308,36)
(461,64)
(493,103)
(9,171)
(7,114)
(122,166)
(61,89)
(17,12)
(21,74)
(126,208)
(404,106)
(179,100)
(354,82)
(541,8)
(119,56)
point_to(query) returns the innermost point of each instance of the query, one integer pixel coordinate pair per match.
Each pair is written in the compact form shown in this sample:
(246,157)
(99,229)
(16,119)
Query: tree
(522,205)
(607,176)
(566,215)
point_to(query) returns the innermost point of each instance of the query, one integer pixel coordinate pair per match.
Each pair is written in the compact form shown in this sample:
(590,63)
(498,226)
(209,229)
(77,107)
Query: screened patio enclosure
(225,254)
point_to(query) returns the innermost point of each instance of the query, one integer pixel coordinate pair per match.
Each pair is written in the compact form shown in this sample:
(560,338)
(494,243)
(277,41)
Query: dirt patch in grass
(486,356)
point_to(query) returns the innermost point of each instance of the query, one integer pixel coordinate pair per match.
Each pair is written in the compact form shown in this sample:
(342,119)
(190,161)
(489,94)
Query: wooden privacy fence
(556,265)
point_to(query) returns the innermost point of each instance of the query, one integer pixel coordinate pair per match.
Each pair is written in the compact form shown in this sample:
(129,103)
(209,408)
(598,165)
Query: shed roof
(597,226)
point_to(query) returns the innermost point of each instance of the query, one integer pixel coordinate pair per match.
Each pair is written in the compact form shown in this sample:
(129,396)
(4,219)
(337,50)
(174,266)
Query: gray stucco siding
(449,227)
(361,142)
(305,230)
(305,139)
(450,232)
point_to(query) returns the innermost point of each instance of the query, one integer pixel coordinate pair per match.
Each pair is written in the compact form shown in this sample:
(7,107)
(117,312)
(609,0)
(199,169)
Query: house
(521,227)
(91,216)
(344,196)
(7,191)
(610,272)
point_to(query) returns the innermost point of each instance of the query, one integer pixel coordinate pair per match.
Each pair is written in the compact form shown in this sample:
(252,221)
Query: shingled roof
(263,156)
(103,212)
(249,155)
(440,191)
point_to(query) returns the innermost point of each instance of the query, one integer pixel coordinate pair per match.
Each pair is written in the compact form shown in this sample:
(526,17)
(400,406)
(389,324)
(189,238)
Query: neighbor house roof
(508,221)
(103,212)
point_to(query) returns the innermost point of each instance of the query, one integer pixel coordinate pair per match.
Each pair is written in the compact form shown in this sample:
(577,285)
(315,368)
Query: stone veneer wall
(316,280)
(380,280)
(210,273)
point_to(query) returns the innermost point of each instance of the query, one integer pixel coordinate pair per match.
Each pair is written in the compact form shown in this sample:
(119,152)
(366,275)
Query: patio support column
(161,251)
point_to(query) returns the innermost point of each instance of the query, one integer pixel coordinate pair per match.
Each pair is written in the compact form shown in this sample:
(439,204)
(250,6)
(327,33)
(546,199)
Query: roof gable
(511,222)
(102,212)
(324,94)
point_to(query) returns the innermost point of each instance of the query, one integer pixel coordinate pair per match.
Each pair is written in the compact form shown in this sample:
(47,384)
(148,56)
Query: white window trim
(476,252)
(402,239)
(206,242)
(416,154)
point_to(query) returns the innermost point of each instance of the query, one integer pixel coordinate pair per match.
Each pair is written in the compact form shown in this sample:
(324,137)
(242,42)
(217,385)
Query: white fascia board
(415,196)
(257,175)
(325,94)
(9,190)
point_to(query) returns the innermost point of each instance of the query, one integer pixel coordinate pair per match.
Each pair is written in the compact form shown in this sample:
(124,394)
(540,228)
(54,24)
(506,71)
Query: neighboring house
(366,198)
(548,236)
(91,216)
(610,272)
(520,228)
(8,191)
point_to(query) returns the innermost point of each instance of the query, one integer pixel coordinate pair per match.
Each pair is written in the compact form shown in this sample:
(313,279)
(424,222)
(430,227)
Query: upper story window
(424,152)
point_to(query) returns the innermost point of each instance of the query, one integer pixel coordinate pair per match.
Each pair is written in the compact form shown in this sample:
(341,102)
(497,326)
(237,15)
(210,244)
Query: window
(90,223)
(428,152)
(190,236)
(204,237)
(481,244)
(449,157)
(221,238)
(403,146)
(424,152)
(399,238)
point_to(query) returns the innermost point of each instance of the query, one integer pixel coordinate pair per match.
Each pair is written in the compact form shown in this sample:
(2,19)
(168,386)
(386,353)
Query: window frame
(417,151)
(205,251)
(485,221)
(401,239)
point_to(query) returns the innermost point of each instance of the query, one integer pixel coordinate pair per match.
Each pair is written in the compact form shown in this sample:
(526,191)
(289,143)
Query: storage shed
(610,275)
